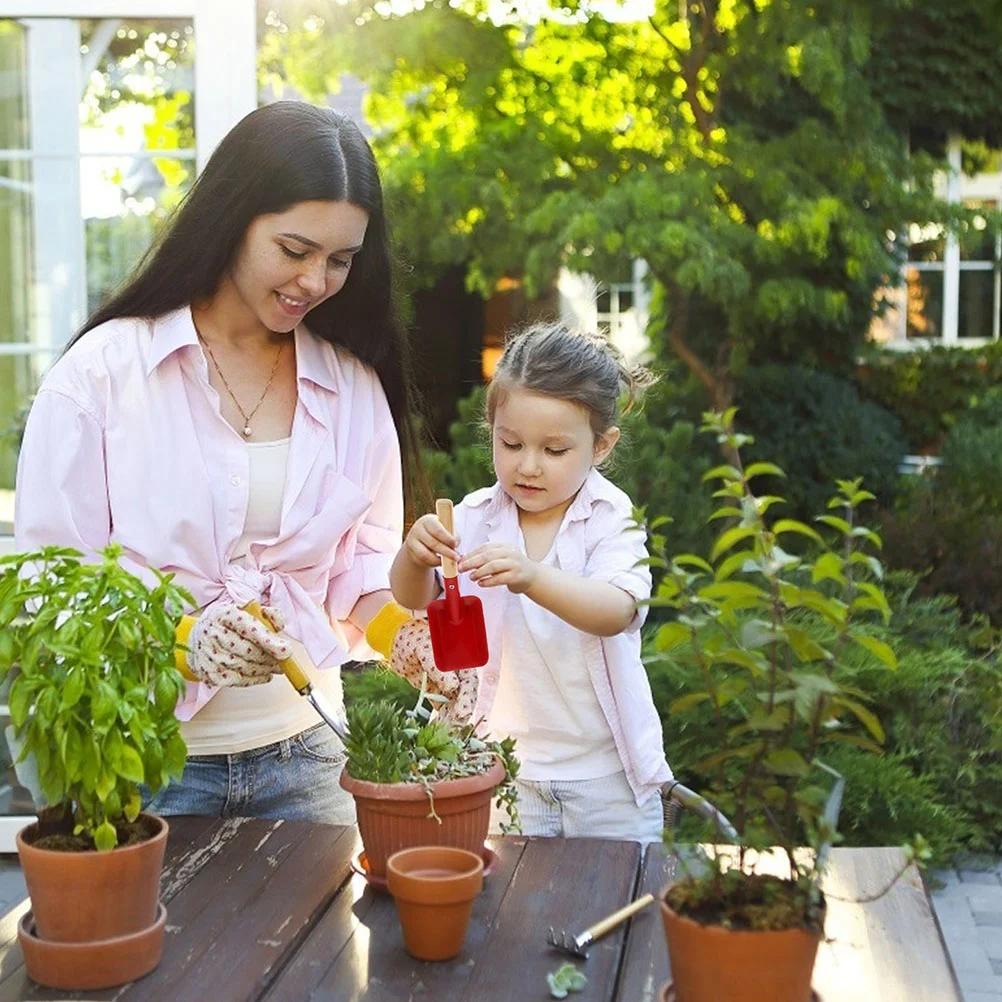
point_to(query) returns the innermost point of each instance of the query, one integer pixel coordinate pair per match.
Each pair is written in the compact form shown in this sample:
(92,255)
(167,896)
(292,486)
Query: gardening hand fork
(578,945)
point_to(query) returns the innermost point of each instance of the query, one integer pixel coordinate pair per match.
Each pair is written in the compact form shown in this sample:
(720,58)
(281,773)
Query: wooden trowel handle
(443,509)
(290,666)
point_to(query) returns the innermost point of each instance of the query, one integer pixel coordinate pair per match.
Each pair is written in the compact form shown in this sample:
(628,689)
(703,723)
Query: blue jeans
(585,808)
(292,780)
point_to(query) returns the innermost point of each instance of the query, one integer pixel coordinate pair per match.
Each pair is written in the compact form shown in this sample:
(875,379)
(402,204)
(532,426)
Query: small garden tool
(456,622)
(295,674)
(578,945)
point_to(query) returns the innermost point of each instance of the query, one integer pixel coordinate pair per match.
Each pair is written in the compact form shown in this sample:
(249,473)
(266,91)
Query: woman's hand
(228,646)
(494,564)
(428,541)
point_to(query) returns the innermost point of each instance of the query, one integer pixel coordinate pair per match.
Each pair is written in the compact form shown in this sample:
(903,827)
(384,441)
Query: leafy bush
(928,390)
(816,427)
(90,651)
(956,548)
(942,716)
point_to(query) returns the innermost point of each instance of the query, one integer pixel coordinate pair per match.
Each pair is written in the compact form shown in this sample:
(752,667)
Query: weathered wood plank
(356,951)
(241,896)
(567,884)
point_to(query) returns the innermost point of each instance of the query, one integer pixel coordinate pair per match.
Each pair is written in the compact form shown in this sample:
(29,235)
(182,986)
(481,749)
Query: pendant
(247,431)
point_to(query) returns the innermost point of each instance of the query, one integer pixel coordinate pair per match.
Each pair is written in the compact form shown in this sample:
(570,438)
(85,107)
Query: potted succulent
(87,658)
(768,630)
(418,781)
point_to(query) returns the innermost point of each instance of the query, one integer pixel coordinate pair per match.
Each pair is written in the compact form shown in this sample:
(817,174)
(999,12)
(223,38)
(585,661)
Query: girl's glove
(405,643)
(227,646)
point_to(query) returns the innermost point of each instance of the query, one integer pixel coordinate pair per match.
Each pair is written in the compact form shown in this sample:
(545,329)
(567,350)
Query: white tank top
(545,699)
(238,719)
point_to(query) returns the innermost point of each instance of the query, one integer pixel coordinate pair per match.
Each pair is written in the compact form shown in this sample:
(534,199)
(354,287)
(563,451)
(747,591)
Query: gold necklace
(267,386)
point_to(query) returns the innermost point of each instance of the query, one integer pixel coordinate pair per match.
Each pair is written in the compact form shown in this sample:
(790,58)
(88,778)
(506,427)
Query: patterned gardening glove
(227,646)
(405,643)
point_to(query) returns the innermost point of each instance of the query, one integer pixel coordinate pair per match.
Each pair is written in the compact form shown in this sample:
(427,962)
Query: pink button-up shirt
(126,443)
(595,540)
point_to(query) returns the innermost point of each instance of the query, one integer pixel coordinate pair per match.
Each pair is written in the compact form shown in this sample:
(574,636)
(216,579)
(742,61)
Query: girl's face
(544,449)
(291,261)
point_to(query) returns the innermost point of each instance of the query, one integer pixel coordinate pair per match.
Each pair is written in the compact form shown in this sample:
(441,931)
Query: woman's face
(291,261)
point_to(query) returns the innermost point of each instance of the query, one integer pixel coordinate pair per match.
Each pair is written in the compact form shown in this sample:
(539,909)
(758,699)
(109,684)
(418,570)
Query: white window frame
(225,90)
(956,188)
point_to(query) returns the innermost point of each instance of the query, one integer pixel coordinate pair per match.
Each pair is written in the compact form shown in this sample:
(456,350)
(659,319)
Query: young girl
(553,554)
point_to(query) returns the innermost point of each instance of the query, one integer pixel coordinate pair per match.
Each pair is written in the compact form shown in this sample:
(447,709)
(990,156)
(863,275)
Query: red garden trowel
(456,622)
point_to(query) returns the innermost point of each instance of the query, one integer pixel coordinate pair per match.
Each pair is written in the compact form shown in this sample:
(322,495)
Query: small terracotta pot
(82,897)
(434,888)
(710,963)
(394,816)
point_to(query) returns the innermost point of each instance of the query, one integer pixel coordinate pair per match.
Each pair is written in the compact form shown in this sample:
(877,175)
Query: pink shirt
(594,541)
(126,443)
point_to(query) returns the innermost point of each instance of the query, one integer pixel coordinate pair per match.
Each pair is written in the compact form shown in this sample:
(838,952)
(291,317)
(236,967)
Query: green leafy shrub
(942,716)
(928,390)
(89,651)
(816,427)
(956,548)
(972,459)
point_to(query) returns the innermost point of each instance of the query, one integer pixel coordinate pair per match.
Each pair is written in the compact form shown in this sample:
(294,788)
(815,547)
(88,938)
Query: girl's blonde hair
(586,369)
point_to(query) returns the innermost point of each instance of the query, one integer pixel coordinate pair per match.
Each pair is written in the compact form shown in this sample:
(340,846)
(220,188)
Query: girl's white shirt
(596,539)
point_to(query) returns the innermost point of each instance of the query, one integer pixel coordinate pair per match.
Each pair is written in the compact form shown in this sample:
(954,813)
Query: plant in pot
(770,631)
(418,781)
(87,657)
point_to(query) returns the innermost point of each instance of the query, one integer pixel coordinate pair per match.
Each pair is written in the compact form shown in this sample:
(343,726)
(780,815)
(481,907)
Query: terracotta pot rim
(453,889)
(475,863)
(416,791)
(713,927)
(24,845)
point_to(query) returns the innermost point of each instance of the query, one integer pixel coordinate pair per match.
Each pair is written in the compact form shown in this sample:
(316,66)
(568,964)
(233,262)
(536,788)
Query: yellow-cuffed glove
(181,635)
(405,643)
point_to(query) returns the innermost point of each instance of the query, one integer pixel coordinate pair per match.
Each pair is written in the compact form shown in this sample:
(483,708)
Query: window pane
(926,243)
(15,249)
(977,304)
(925,303)
(139,85)
(625,300)
(19,377)
(977,240)
(13,70)
(603,302)
(124,201)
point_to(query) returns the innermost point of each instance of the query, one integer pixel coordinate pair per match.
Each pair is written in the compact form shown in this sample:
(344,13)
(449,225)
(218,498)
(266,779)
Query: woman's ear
(604,444)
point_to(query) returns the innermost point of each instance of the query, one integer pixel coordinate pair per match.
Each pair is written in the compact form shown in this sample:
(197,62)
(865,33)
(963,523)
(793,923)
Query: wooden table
(272,912)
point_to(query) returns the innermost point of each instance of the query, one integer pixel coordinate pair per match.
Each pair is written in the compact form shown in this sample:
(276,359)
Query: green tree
(738,146)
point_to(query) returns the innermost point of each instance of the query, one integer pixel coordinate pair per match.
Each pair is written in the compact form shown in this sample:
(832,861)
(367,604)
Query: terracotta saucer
(360,864)
(104,963)
(668,993)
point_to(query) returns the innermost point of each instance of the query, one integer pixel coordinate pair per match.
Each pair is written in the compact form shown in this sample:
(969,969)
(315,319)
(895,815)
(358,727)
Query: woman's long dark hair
(275,157)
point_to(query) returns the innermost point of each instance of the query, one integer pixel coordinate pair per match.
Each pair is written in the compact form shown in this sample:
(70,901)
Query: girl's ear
(604,444)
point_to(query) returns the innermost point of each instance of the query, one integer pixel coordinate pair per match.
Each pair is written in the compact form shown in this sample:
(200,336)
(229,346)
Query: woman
(231,416)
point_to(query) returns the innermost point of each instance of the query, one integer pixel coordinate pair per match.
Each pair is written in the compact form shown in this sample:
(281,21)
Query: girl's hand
(428,542)
(496,564)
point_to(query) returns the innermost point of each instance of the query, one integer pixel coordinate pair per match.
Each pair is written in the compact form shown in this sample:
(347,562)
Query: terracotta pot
(86,966)
(394,816)
(710,963)
(434,888)
(80,897)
